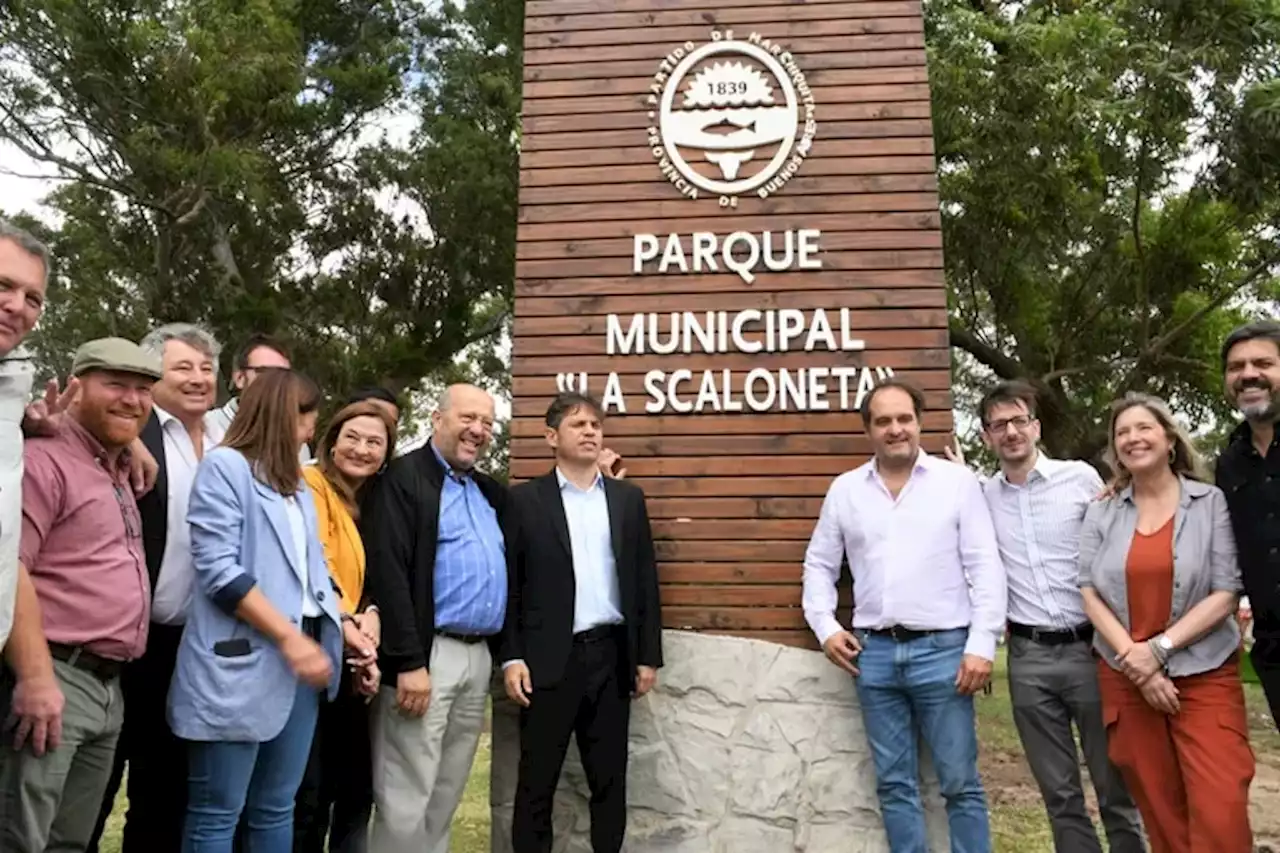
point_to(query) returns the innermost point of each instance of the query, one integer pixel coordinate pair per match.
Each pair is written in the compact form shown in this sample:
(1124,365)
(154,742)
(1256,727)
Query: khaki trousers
(421,764)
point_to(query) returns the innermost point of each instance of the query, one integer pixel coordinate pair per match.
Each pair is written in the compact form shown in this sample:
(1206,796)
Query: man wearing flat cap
(83,606)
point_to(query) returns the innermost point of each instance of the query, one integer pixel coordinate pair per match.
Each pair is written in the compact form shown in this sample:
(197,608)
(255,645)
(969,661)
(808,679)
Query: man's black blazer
(540,599)
(153,507)
(399,523)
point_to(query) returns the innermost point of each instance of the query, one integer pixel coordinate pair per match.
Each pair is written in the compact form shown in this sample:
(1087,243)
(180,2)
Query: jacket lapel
(273,506)
(549,484)
(617,514)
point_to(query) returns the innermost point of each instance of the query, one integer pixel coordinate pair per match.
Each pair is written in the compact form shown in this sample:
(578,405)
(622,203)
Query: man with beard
(176,436)
(83,606)
(437,571)
(1037,506)
(929,609)
(24,276)
(1248,472)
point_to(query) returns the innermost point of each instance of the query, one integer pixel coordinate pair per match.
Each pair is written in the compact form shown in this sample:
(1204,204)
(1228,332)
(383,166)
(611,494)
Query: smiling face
(463,427)
(113,406)
(188,388)
(1011,432)
(361,448)
(1140,442)
(893,427)
(22,289)
(579,437)
(1251,378)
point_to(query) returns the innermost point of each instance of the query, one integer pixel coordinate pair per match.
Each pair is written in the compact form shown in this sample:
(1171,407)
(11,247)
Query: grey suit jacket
(1204,561)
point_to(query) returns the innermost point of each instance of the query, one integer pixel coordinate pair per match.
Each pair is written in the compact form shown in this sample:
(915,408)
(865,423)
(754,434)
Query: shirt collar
(1043,469)
(923,463)
(598,483)
(162,415)
(455,474)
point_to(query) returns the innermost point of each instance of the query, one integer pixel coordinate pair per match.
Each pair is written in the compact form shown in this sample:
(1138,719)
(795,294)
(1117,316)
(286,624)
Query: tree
(220,163)
(1108,175)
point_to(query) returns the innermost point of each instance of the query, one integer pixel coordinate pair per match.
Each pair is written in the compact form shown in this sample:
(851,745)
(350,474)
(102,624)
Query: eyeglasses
(1020,422)
(132,523)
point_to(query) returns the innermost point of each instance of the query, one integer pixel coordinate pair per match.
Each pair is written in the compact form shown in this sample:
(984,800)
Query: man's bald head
(462,424)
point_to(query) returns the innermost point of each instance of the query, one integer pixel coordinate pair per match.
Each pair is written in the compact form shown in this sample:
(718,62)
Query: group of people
(282,651)
(1121,602)
(288,652)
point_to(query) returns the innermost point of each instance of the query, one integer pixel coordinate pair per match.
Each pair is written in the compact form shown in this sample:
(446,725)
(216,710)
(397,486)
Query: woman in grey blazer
(1160,582)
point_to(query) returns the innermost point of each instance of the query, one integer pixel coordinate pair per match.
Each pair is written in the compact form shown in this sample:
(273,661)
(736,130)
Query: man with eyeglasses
(83,605)
(1037,505)
(259,354)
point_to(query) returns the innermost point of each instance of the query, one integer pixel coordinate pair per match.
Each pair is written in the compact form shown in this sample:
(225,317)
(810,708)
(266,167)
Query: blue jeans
(260,779)
(906,689)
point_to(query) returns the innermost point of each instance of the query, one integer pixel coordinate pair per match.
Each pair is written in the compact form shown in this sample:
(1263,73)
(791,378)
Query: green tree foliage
(1108,173)
(220,162)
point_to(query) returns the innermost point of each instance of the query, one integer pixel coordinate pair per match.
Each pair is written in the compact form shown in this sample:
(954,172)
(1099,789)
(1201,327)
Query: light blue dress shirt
(595,573)
(471,564)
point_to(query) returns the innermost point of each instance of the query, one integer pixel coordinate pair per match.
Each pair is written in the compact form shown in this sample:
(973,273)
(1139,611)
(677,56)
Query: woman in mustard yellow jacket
(336,795)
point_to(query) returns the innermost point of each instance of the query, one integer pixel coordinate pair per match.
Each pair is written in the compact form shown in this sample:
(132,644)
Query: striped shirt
(1038,528)
(471,564)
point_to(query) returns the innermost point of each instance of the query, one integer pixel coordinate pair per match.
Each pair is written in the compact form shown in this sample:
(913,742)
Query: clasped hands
(361,635)
(1139,664)
(842,649)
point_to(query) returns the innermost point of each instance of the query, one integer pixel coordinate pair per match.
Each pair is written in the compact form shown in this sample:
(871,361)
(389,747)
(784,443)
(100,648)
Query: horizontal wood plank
(815,64)
(852,260)
(800,209)
(831,242)
(928,220)
(656,16)
(639,119)
(570,9)
(639,50)
(772,507)
(859,321)
(876,341)
(720,529)
(530,365)
(633,383)
(868,287)
(731,573)
(716,467)
(734,618)
(637,152)
(813,167)
(640,100)
(603,140)
(630,86)
(733,424)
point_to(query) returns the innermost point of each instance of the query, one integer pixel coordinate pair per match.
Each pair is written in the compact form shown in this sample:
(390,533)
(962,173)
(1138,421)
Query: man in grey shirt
(1037,505)
(24,276)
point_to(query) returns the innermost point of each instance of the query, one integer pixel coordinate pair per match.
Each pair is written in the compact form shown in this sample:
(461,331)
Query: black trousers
(1265,657)
(157,759)
(335,798)
(593,702)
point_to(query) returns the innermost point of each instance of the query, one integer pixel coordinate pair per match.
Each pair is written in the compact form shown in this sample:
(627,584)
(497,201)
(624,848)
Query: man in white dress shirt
(929,609)
(24,276)
(1037,505)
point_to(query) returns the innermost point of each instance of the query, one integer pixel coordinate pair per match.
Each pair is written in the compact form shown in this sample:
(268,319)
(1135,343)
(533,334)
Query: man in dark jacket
(1248,472)
(437,570)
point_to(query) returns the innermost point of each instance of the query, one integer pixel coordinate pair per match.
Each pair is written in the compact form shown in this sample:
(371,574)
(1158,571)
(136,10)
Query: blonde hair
(1186,462)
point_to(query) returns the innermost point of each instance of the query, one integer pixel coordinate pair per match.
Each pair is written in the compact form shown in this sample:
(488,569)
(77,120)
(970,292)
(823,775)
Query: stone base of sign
(745,747)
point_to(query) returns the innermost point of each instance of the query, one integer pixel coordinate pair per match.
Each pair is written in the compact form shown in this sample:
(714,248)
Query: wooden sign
(729,232)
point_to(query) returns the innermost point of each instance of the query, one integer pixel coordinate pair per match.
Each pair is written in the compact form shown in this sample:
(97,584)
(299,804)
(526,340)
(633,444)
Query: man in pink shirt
(83,606)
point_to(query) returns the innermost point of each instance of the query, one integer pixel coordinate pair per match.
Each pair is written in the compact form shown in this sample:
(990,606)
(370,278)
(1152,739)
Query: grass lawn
(1018,822)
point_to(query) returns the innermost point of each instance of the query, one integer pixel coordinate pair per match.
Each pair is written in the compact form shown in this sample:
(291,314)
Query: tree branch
(1006,367)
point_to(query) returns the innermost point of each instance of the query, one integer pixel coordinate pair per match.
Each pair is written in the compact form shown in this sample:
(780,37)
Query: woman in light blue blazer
(263,636)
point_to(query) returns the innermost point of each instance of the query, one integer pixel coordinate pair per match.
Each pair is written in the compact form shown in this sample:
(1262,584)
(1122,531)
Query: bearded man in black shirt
(1248,472)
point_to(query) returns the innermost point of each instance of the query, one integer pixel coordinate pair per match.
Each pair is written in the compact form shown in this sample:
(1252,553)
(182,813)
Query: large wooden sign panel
(729,231)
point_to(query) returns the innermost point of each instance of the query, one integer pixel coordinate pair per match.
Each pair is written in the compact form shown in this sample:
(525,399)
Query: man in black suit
(583,631)
(176,437)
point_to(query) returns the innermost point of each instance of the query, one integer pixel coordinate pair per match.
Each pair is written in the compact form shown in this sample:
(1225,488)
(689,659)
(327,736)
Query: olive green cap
(116,355)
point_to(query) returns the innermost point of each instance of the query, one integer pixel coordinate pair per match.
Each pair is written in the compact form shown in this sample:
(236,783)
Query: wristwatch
(1165,644)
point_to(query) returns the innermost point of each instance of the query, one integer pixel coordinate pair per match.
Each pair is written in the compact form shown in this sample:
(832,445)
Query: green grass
(1018,821)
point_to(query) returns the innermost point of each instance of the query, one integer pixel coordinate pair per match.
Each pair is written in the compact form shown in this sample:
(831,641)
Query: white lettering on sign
(749,331)
(741,252)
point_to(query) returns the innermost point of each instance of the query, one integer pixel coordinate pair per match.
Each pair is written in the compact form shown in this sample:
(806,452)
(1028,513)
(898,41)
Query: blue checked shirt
(471,563)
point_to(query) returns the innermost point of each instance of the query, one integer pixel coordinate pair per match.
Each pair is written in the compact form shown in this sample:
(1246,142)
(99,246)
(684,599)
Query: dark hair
(265,428)
(373,392)
(324,455)
(917,398)
(569,402)
(1013,391)
(1259,330)
(256,342)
